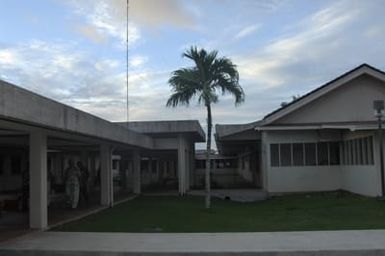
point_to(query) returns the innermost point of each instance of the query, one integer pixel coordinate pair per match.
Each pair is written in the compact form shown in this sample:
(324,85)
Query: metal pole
(381,156)
(127,99)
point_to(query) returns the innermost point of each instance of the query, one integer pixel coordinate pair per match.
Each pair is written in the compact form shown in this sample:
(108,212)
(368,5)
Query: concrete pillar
(38,217)
(150,178)
(106,176)
(182,165)
(192,165)
(129,174)
(136,165)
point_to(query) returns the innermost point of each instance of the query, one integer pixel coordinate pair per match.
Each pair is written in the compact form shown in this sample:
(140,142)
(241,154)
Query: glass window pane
(359,151)
(364,149)
(351,148)
(334,152)
(274,154)
(342,149)
(370,150)
(285,154)
(347,153)
(310,158)
(298,154)
(322,152)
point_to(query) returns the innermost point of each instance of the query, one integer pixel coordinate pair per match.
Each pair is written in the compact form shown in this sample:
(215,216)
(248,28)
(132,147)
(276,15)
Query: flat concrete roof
(223,130)
(26,107)
(168,127)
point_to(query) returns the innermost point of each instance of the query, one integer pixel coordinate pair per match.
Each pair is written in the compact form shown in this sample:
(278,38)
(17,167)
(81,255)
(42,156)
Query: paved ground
(267,244)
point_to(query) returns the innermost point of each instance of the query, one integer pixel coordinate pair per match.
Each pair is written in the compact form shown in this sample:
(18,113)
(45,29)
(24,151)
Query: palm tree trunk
(208,160)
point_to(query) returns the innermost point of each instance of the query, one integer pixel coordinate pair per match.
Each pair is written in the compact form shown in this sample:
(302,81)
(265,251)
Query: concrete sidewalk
(367,242)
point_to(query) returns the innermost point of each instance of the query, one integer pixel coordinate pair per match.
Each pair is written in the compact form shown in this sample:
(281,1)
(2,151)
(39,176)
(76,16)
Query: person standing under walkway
(84,175)
(72,184)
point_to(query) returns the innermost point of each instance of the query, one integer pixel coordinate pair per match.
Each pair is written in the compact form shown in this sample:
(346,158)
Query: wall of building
(352,102)
(299,178)
(360,178)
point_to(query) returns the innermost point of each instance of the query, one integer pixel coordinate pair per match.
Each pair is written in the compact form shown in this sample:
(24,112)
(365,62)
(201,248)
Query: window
(274,154)
(358,151)
(351,150)
(322,153)
(370,150)
(310,154)
(364,148)
(285,154)
(16,165)
(334,153)
(298,156)
(343,159)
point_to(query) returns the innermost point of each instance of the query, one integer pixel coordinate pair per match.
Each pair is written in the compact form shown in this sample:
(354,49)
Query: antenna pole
(127,107)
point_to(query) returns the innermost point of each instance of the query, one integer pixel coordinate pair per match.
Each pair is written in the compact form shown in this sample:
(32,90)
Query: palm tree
(210,76)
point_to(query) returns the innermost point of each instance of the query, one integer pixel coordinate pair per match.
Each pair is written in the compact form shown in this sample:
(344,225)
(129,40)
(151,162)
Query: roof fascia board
(316,127)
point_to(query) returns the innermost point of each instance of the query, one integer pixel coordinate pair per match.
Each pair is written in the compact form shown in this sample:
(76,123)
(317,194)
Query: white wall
(299,178)
(304,178)
(360,179)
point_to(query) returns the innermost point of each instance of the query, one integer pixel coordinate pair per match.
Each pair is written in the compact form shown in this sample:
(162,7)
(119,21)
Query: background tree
(210,76)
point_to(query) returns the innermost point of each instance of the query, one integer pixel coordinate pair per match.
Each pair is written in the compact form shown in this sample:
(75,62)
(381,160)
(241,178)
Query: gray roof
(28,108)
(223,130)
(168,127)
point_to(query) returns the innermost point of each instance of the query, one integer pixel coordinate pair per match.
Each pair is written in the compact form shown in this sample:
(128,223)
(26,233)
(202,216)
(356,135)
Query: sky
(74,50)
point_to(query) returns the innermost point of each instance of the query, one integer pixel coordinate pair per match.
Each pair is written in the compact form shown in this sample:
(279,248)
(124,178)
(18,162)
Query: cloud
(107,18)
(7,57)
(248,30)
(58,70)
(92,33)
(104,20)
(310,51)
(155,13)
(137,61)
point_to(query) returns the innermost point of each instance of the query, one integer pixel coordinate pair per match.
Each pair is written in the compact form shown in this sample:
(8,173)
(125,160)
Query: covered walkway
(40,139)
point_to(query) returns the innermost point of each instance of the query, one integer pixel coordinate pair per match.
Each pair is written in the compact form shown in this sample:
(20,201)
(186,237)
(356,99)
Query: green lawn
(316,211)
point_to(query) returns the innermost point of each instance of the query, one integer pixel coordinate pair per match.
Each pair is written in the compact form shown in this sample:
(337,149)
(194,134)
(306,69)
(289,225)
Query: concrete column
(129,174)
(182,165)
(38,217)
(192,165)
(150,174)
(106,175)
(136,165)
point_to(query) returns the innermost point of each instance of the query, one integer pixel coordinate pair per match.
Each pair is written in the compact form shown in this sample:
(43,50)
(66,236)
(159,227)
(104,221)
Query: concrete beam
(23,106)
